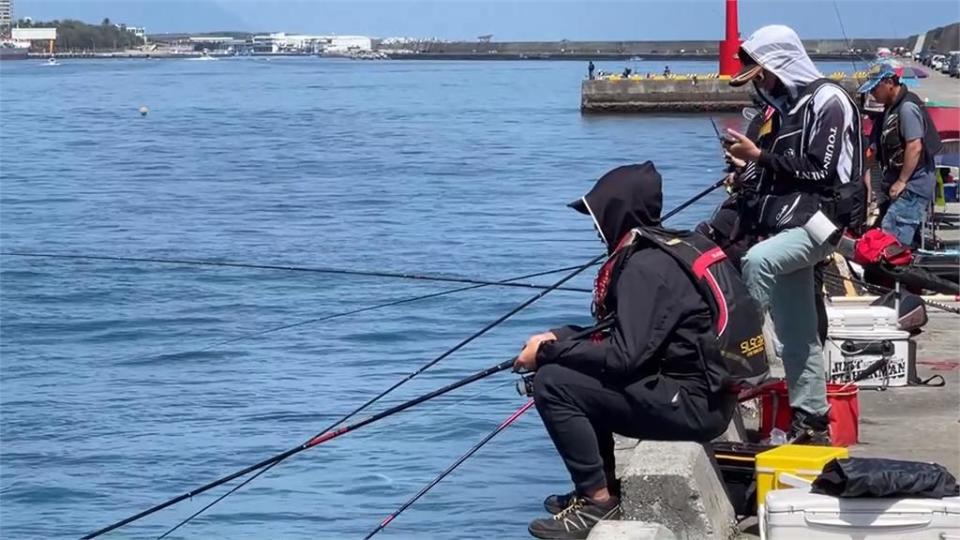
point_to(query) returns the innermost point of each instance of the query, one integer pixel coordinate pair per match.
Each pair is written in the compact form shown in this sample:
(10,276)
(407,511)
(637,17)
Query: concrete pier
(685,94)
(661,95)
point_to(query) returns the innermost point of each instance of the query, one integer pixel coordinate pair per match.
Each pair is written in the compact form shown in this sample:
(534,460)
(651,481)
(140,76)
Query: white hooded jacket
(832,145)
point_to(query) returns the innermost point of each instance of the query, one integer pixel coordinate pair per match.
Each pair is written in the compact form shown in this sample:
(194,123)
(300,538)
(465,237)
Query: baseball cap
(876,74)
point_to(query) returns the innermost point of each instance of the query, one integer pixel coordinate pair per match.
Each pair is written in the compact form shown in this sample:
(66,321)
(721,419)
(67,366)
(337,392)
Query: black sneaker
(555,503)
(812,429)
(576,520)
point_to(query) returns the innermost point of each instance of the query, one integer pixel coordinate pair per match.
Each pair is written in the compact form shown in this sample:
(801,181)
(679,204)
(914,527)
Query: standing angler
(685,332)
(806,174)
(905,142)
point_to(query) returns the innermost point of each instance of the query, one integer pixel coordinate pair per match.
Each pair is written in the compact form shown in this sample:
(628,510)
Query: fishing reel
(525,385)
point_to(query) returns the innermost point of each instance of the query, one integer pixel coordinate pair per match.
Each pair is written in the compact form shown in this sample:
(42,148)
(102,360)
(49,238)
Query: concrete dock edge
(676,485)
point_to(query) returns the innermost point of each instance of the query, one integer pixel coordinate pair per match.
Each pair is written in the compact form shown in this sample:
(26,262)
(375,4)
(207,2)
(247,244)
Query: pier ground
(922,423)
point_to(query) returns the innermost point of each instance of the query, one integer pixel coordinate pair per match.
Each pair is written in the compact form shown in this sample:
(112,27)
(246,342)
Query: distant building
(219,43)
(281,42)
(34,34)
(138,31)
(348,43)
(6,13)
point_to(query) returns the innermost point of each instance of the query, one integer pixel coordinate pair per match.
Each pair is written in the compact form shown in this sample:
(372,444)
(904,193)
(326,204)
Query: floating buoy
(144,110)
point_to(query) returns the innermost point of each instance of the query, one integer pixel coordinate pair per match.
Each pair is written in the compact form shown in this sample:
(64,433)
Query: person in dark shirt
(590,68)
(905,142)
(644,377)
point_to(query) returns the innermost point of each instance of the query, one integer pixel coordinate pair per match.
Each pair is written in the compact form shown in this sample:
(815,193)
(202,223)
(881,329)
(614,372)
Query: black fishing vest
(889,141)
(785,201)
(733,355)
(790,138)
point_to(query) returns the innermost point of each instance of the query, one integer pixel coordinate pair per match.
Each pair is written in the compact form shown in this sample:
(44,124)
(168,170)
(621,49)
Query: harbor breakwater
(679,95)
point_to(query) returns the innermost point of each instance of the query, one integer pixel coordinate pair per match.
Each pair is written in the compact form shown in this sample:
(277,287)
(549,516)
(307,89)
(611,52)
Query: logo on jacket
(786,211)
(789,152)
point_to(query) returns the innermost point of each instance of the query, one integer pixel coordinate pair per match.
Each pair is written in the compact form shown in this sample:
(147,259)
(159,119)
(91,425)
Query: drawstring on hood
(626,197)
(778,49)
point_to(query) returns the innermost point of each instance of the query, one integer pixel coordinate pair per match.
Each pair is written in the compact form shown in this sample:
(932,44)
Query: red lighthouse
(729,63)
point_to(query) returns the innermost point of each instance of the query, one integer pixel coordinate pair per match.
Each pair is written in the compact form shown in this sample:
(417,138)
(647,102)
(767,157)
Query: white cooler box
(797,514)
(858,336)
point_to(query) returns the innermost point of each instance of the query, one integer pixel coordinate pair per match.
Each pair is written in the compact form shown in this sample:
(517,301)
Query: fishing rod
(852,54)
(280,457)
(330,432)
(310,443)
(257,266)
(266,468)
(706,191)
(503,425)
(839,278)
(372,400)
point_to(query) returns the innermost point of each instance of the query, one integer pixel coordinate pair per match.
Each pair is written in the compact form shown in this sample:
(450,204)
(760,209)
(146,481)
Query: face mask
(780,102)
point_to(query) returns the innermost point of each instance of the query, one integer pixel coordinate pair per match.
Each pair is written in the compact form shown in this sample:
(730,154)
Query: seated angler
(675,308)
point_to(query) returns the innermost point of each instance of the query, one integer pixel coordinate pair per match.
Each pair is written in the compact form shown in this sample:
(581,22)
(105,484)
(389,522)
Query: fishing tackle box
(860,337)
(797,514)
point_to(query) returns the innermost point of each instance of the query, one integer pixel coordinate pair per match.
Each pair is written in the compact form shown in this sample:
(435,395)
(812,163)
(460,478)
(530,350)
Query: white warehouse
(282,42)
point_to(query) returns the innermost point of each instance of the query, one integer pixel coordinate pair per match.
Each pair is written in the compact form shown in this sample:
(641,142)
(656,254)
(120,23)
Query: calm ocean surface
(454,168)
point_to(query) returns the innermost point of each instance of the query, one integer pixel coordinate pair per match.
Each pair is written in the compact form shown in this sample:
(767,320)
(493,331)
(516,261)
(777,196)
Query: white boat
(52,61)
(205,55)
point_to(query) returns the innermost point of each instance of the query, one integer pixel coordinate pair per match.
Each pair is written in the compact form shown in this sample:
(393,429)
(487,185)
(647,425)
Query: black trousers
(581,414)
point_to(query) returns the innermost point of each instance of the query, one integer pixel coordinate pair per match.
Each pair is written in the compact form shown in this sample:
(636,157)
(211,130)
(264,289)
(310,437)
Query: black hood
(626,197)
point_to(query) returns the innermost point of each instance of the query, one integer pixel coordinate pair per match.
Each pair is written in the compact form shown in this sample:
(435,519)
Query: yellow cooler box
(799,460)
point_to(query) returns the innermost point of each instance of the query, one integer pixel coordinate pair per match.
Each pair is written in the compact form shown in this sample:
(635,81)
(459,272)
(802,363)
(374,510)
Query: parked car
(953,65)
(945,63)
(937,62)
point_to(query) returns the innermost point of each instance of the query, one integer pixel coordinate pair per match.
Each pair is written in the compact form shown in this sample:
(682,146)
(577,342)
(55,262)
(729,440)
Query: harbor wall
(942,39)
(678,95)
(598,49)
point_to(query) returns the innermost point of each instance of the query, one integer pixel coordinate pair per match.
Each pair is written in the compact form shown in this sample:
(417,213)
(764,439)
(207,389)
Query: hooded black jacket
(660,314)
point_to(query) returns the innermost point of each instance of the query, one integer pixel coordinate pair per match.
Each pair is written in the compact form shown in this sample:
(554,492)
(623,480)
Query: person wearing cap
(644,377)
(904,141)
(805,174)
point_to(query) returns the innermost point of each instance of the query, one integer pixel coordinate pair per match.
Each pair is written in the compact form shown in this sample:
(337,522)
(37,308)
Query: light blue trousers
(779,275)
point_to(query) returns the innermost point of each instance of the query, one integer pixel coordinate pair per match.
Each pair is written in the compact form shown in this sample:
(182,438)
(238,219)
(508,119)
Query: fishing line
(402,423)
(329,433)
(850,49)
(473,450)
(356,311)
(839,279)
(255,266)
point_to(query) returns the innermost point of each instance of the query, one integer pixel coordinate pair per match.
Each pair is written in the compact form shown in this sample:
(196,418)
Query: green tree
(78,36)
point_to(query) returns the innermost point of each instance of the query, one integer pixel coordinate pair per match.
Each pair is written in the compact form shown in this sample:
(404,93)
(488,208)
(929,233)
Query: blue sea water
(455,168)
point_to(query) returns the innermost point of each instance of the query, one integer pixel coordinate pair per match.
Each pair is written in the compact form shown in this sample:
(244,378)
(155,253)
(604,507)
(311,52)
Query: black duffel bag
(876,477)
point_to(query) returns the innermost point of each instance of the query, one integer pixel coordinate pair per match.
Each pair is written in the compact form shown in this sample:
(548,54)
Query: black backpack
(735,355)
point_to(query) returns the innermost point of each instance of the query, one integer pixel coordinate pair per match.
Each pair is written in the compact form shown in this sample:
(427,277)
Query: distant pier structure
(672,92)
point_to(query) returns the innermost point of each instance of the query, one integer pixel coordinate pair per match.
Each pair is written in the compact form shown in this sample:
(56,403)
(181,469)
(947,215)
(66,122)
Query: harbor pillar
(729,63)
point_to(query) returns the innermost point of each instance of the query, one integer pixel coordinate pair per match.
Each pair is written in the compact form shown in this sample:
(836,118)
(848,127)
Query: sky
(509,20)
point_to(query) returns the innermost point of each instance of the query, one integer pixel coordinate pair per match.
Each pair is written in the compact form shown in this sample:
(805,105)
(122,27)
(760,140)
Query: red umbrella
(946,120)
